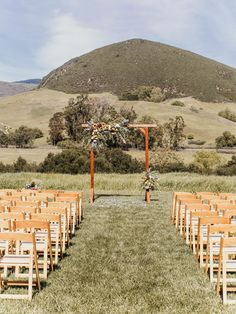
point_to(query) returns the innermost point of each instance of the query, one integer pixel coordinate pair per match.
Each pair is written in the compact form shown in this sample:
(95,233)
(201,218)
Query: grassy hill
(126,65)
(9,89)
(35,108)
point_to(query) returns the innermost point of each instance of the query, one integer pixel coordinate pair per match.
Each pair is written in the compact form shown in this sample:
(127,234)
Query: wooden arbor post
(144,129)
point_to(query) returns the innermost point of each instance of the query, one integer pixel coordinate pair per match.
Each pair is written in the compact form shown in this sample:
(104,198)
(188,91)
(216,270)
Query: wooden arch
(144,128)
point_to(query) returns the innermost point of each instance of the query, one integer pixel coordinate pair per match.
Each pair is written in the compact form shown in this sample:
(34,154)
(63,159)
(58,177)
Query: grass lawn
(127,256)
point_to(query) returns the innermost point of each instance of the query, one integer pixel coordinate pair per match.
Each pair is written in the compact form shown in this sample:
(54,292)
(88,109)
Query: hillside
(126,65)
(35,108)
(9,89)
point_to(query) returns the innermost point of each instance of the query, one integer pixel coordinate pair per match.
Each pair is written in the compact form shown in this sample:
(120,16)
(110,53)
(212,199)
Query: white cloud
(67,39)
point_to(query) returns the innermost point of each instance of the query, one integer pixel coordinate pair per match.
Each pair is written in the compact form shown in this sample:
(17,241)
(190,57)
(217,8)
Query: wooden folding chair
(55,231)
(27,203)
(13,258)
(79,196)
(43,243)
(214,235)
(194,219)
(25,210)
(71,214)
(188,209)
(177,195)
(230,214)
(203,223)
(64,223)
(181,210)
(227,265)
(73,203)
(11,198)
(12,216)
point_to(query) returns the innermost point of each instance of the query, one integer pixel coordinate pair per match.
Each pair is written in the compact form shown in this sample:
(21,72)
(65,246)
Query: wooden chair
(214,235)
(192,208)
(227,264)
(203,223)
(230,214)
(25,210)
(181,210)
(73,203)
(55,231)
(194,219)
(27,203)
(12,216)
(13,258)
(79,196)
(70,211)
(43,243)
(64,223)
(176,196)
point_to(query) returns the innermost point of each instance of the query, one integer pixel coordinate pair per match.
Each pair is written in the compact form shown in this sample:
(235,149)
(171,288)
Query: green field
(127,256)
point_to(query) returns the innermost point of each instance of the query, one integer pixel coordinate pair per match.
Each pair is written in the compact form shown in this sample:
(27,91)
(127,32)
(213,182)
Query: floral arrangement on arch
(104,134)
(150,181)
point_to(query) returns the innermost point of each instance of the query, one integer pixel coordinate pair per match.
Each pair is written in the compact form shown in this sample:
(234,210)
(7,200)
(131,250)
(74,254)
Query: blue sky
(38,35)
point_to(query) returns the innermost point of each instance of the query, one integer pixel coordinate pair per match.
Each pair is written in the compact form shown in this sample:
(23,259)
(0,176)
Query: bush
(229,169)
(227,139)
(166,160)
(24,137)
(147,93)
(67,144)
(205,162)
(178,103)
(190,137)
(197,142)
(76,161)
(228,114)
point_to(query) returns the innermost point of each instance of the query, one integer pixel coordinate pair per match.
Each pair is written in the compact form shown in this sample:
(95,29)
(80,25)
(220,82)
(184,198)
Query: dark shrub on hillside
(75,161)
(229,169)
(196,142)
(227,139)
(178,103)
(228,114)
(190,137)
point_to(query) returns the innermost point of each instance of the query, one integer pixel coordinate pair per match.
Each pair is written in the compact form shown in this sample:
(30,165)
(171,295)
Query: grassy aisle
(127,258)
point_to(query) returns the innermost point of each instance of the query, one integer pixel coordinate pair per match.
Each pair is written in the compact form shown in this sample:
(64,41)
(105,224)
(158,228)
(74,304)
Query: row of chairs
(35,230)
(207,222)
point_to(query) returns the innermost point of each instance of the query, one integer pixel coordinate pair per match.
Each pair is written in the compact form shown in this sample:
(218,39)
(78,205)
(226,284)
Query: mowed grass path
(126,258)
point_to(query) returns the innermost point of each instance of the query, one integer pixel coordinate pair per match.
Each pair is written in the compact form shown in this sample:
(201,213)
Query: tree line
(65,127)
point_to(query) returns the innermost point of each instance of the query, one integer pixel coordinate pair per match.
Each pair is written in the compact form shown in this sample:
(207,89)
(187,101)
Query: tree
(4,139)
(206,161)
(136,138)
(37,133)
(77,112)
(22,137)
(227,139)
(173,132)
(56,128)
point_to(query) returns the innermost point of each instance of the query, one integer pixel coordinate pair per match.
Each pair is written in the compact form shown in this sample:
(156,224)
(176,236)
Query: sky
(37,36)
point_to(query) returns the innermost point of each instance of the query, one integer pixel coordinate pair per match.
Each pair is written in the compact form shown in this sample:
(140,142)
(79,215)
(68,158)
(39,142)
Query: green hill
(132,63)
